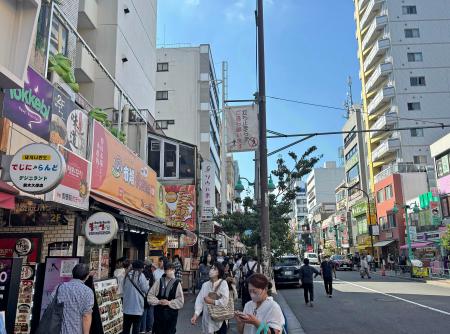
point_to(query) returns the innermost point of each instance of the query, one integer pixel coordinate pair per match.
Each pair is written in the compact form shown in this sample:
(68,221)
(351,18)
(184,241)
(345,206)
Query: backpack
(250,272)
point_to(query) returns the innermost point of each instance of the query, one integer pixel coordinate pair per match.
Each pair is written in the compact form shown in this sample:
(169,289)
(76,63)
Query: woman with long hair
(203,269)
(215,292)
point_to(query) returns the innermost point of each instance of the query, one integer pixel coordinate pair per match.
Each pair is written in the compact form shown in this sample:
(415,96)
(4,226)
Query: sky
(310,50)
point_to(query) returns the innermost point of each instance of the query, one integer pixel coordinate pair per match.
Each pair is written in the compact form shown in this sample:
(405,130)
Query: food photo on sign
(26,246)
(180,206)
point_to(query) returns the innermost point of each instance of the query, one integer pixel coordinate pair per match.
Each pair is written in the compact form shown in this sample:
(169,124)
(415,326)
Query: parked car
(312,257)
(287,270)
(341,262)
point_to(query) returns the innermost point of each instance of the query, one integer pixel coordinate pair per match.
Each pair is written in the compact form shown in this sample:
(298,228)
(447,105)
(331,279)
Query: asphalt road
(380,305)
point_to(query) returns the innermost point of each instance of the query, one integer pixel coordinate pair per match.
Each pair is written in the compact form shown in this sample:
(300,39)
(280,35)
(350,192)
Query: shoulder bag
(146,304)
(218,312)
(53,316)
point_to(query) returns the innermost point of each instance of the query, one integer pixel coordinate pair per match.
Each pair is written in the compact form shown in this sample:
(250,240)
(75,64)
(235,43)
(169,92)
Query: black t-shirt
(327,269)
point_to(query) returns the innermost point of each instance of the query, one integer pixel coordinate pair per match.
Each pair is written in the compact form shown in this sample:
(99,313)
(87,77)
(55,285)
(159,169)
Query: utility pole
(223,150)
(265,227)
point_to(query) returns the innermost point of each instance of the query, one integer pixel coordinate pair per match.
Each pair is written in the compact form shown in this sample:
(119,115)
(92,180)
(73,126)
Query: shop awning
(418,245)
(145,223)
(383,243)
(134,218)
(7,196)
(6,188)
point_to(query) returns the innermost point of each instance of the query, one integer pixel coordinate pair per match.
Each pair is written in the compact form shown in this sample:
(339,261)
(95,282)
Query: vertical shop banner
(180,206)
(30,107)
(119,174)
(57,270)
(208,190)
(160,202)
(242,128)
(69,124)
(5,280)
(74,187)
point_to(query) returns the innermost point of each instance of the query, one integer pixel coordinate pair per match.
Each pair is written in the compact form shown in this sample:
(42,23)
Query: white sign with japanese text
(37,168)
(242,128)
(208,190)
(101,228)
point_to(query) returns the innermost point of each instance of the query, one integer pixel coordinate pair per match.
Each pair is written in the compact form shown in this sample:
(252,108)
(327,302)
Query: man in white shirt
(157,274)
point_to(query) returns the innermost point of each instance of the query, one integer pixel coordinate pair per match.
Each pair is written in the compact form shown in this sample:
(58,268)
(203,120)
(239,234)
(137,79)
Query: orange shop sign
(119,174)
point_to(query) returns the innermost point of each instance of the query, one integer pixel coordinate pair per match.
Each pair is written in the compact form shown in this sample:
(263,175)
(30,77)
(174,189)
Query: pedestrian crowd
(152,296)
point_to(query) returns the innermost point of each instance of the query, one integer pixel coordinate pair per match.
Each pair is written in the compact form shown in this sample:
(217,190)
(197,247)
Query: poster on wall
(99,262)
(69,124)
(119,174)
(23,245)
(242,128)
(30,107)
(74,187)
(160,202)
(25,302)
(5,274)
(180,206)
(57,270)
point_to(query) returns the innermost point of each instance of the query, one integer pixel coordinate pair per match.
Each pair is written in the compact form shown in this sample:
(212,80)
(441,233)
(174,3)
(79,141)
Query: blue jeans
(147,319)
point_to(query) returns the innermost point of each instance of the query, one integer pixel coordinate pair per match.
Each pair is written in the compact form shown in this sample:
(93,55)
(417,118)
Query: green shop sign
(360,209)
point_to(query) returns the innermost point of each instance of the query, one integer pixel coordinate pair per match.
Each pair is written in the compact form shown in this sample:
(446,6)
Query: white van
(312,257)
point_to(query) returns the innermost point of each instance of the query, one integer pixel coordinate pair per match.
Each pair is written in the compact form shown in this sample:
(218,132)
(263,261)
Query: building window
(162,67)
(413,106)
(353,173)
(445,206)
(187,163)
(391,220)
(388,192)
(170,160)
(162,95)
(417,81)
(351,153)
(412,33)
(415,56)
(383,223)
(349,137)
(409,10)
(420,159)
(59,37)
(154,155)
(442,166)
(416,132)
(380,196)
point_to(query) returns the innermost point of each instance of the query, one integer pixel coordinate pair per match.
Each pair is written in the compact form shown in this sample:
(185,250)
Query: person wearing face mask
(167,297)
(215,291)
(261,311)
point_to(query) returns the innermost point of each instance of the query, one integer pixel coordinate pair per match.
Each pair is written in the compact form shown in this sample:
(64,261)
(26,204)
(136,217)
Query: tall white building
(187,100)
(405,70)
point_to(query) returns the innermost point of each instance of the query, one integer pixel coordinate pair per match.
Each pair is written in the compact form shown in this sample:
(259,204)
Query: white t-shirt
(269,312)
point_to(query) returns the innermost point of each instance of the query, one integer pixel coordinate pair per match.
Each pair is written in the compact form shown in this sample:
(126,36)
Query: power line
(305,103)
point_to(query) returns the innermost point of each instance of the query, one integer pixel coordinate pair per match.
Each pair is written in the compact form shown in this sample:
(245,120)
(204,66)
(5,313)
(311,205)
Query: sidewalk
(407,276)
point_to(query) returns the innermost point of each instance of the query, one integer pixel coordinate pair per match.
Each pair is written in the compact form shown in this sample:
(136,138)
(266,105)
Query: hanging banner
(180,206)
(74,187)
(242,128)
(30,107)
(208,190)
(37,168)
(119,174)
(69,124)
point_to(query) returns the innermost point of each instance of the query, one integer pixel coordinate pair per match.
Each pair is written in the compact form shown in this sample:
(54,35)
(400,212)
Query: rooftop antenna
(348,104)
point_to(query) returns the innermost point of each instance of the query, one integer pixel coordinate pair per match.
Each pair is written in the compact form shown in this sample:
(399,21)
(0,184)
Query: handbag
(218,312)
(146,304)
(52,319)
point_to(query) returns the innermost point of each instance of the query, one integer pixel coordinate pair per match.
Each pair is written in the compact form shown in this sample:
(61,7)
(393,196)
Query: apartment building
(404,72)
(187,101)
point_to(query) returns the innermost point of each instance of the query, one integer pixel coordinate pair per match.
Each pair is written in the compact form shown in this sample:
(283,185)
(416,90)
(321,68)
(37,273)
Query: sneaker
(311,304)
(330,296)
(306,303)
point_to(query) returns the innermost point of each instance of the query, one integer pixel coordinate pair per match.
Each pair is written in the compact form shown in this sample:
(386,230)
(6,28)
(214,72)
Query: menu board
(25,302)
(109,306)
(99,262)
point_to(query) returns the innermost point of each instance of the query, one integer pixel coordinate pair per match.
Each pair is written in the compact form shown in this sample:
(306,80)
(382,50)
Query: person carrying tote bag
(213,292)
(52,319)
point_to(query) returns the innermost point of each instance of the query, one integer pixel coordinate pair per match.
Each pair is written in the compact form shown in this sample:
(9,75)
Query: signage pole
(265,227)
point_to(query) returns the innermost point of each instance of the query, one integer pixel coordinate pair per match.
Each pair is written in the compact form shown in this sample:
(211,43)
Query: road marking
(399,298)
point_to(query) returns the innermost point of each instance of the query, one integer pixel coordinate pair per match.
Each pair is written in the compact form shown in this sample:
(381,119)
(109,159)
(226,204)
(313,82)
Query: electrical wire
(305,103)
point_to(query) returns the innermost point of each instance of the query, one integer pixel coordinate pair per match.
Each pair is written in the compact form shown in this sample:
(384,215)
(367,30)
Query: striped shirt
(78,300)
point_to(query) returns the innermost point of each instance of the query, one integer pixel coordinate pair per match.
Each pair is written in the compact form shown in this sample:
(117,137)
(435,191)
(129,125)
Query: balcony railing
(372,9)
(377,51)
(383,122)
(375,29)
(381,72)
(398,168)
(362,3)
(383,96)
(388,146)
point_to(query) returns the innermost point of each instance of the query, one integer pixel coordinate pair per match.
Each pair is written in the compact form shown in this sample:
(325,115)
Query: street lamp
(369,213)
(239,187)
(408,235)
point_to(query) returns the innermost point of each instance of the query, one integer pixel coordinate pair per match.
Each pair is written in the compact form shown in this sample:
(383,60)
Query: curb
(294,326)
(400,277)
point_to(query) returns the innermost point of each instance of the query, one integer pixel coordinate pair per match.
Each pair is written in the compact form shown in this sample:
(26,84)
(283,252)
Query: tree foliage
(446,239)
(246,224)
